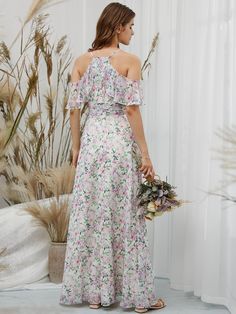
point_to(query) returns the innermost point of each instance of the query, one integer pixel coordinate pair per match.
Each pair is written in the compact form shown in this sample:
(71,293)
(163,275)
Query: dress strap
(115,51)
(112,54)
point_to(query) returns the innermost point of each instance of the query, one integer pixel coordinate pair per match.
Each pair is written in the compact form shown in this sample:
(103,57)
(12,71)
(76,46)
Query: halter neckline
(110,65)
(113,52)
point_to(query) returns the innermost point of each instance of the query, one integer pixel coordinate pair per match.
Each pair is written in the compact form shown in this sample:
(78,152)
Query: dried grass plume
(55,217)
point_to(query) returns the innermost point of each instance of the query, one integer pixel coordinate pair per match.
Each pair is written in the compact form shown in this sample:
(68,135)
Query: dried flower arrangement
(30,141)
(157,197)
(54,217)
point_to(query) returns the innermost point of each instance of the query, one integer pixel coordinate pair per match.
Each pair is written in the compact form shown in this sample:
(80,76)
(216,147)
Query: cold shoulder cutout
(102,83)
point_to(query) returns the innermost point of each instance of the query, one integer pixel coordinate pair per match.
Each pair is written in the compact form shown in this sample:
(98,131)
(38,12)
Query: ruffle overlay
(111,87)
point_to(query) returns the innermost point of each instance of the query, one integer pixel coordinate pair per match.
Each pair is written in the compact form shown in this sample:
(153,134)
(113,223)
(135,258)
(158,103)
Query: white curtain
(189,94)
(195,245)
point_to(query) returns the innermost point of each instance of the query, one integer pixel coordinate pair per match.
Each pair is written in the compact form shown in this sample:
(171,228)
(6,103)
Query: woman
(107,255)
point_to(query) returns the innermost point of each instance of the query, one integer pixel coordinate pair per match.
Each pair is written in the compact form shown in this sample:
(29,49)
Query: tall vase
(56,259)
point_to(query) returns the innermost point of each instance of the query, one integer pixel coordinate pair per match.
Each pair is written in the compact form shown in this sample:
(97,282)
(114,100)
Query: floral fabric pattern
(107,255)
(110,87)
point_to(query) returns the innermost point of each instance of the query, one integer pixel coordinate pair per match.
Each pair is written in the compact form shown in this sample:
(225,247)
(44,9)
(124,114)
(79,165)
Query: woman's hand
(147,168)
(75,155)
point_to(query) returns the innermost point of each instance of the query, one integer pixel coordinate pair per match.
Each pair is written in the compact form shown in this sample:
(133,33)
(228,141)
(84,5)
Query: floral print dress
(107,255)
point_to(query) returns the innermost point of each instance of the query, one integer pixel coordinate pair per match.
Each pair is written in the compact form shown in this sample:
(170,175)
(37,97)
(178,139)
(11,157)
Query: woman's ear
(119,29)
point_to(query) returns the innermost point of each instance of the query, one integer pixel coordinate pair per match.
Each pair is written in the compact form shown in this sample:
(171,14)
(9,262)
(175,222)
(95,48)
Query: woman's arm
(134,117)
(75,120)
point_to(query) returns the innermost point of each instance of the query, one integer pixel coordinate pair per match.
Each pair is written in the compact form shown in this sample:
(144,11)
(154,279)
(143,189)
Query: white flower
(151,207)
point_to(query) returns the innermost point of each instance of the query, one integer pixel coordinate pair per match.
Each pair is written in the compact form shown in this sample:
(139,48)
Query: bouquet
(157,197)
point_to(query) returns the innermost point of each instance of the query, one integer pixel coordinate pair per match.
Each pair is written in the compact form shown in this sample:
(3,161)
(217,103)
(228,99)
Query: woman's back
(120,60)
(106,79)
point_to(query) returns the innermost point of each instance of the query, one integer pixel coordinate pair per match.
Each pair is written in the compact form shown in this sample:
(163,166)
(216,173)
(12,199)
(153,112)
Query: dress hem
(118,299)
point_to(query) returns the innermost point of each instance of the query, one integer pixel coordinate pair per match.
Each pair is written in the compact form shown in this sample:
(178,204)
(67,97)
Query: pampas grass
(8,94)
(37,6)
(24,186)
(4,135)
(147,65)
(227,157)
(53,97)
(2,253)
(32,143)
(55,218)
(4,52)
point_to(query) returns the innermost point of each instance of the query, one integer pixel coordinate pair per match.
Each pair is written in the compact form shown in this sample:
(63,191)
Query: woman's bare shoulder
(82,61)
(82,58)
(133,63)
(131,57)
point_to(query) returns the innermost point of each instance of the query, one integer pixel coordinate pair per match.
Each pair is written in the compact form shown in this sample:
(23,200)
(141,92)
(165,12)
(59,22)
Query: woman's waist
(105,108)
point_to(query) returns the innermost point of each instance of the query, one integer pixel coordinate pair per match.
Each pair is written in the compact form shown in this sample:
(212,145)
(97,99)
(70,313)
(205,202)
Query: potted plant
(55,218)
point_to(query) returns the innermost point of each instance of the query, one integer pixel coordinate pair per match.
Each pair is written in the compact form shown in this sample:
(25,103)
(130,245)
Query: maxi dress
(107,254)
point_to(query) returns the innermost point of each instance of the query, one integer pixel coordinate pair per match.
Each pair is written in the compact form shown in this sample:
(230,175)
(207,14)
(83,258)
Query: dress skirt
(107,255)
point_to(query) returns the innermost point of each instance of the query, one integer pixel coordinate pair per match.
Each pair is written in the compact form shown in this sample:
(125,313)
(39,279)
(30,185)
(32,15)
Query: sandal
(156,306)
(159,305)
(95,306)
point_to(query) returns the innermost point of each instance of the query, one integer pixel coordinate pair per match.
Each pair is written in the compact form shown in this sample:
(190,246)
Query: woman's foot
(95,306)
(157,306)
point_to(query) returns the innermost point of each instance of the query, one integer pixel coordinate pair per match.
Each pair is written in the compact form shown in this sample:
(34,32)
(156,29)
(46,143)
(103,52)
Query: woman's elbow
(131,109)
(75,111)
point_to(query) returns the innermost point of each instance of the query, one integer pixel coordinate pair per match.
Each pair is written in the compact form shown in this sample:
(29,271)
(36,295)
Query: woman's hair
(109,21)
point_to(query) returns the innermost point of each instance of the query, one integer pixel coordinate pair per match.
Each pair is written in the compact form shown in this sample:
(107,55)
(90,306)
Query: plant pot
(56,259)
